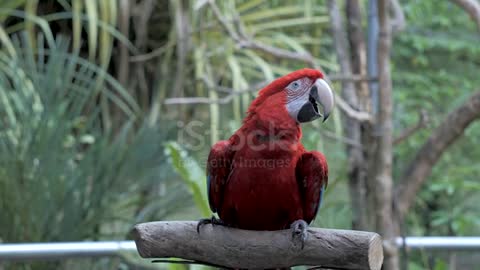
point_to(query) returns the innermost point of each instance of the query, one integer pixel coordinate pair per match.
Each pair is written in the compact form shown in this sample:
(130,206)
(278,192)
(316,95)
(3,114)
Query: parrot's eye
(294,85)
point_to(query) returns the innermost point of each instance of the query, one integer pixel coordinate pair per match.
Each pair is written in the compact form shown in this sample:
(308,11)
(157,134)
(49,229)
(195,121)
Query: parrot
(262,178)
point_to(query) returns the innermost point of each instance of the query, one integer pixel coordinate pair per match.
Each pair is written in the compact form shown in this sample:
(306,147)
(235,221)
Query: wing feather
(218,169)
(312,178)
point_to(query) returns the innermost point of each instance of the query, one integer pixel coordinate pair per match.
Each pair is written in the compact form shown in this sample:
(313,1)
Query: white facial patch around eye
(295,85)
(297,95)
(294,106)
(297,88)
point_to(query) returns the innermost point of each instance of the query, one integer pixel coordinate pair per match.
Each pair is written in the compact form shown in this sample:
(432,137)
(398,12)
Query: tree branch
(203,100)
(182,28)
(472,7)
(243,40)
(398,21)
(421,166)
(234,248)
(344,140)
(253,88)
(351,77)
(347,109)
(123,25)
(422,122)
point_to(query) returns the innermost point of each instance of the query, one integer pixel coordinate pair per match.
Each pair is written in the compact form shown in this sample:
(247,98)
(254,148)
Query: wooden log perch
(234,248)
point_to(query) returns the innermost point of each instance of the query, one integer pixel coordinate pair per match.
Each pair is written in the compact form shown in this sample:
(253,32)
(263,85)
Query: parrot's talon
(213,220)
(299,231)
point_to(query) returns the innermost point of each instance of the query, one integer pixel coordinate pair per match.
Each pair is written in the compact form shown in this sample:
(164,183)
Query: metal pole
(372,48)
(440,242)
(56,251)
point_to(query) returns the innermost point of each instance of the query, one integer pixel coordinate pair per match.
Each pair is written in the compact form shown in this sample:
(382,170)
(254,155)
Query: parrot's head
(304,94)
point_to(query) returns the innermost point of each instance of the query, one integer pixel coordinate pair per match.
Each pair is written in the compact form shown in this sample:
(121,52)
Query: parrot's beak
(319,94)
(322,94)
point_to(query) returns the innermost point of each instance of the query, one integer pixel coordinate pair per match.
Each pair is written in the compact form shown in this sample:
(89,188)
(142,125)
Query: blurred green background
(90,144)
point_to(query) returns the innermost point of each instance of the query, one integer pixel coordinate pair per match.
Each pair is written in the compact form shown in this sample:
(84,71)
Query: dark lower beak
(309,111)
(320,94)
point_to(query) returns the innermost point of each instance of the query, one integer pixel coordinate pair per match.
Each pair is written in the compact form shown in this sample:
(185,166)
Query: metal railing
(58,251)
(440,242)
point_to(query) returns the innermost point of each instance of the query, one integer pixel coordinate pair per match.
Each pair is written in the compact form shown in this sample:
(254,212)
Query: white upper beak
(324,97)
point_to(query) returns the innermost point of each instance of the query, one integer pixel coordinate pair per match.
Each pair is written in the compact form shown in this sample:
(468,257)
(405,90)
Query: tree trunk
(359,175)
(370,151)
(384,217)
(356,171)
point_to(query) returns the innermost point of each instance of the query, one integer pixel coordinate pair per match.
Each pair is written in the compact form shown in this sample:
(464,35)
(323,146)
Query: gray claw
(213,220)
(299,231)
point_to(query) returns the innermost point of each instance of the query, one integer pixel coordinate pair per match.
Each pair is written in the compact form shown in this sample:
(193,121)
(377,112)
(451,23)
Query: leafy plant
(192,175)
(63,175)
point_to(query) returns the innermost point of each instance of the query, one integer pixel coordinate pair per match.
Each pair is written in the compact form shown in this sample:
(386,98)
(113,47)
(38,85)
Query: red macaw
(262,178)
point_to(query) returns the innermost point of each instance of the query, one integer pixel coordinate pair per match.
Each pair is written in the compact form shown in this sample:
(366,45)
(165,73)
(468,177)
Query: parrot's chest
(262,192)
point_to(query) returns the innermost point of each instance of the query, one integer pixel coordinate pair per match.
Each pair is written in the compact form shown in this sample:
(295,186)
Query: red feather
(312,177)
(262,178)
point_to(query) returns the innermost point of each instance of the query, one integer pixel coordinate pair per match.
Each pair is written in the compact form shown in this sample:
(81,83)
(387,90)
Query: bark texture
(383,159)
(360,174)
(369,144)
(234,248)
(356,172)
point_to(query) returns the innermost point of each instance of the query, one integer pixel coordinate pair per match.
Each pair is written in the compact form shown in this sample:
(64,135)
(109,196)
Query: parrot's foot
(213,220)
(299,231)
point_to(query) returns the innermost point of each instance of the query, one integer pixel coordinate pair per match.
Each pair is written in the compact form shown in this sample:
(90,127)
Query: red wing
(312,179)
(218,170)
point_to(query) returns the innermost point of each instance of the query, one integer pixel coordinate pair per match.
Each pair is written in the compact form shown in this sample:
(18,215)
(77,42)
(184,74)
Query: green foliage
(82,149)
(218,57)
(436,62)
(98,17)
(191,173)
(63,176)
